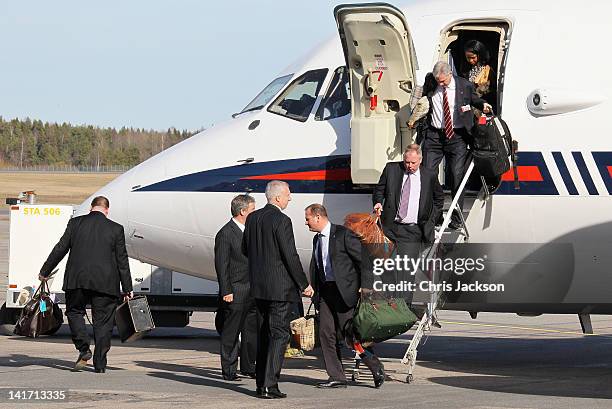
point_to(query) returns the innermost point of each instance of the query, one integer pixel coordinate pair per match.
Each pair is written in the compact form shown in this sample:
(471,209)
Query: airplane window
(267,94)
(297,100)
(337,101)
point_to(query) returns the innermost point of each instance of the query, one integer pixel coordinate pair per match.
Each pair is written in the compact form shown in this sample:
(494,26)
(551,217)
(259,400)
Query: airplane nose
(117,194)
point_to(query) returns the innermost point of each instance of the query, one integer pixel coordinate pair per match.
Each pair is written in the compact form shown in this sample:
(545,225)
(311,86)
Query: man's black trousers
(103,319)
(408,240)
(239,319)
(436,146)
(272,340)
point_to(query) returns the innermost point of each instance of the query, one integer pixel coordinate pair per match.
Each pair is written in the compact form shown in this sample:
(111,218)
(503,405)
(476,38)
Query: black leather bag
(491,147)
(40,316)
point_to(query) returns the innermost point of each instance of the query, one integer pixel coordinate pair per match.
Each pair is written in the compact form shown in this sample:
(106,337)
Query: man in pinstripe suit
(277,279)
(237,306)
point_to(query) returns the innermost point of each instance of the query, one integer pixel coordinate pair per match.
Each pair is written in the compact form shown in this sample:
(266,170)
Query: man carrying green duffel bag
(336,274)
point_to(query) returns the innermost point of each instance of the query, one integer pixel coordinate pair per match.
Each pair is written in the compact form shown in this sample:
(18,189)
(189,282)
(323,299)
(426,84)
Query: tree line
(33,143)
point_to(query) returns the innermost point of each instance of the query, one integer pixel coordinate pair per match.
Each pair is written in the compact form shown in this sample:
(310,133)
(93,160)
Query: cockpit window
(337,100)
(297,100)
(267,94)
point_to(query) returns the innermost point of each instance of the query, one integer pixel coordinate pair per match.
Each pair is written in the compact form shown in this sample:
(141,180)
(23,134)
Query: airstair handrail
(428,318)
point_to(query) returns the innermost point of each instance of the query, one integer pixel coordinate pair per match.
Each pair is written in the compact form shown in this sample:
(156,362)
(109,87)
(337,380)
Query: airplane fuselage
(173,204)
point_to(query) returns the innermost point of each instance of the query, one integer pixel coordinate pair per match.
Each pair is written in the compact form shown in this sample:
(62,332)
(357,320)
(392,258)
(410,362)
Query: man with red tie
(449,125)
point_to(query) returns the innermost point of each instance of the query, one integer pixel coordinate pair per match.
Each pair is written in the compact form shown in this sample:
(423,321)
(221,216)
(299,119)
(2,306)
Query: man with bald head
(409,200)
(277,280)
(96,269)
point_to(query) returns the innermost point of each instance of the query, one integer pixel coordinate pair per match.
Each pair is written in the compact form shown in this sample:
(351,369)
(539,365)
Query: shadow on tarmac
(579,367)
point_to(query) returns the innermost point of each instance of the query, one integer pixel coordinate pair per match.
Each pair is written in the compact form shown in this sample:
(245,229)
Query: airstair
(429,320)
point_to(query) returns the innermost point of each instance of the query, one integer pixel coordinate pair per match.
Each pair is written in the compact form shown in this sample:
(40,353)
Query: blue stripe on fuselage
(232,178)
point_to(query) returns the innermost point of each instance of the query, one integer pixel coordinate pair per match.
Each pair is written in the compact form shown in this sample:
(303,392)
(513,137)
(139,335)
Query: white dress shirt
(240,225)
(324,241)
(415,196)
(437,113)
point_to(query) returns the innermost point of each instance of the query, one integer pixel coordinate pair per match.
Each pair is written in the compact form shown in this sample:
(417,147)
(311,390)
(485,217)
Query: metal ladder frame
(428,320)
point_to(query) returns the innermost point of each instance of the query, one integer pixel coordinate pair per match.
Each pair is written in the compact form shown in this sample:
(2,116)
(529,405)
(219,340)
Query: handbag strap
(309,307)
(39,290)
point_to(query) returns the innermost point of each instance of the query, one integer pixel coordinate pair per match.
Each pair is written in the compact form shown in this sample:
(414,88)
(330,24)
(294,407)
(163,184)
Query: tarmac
(495,361)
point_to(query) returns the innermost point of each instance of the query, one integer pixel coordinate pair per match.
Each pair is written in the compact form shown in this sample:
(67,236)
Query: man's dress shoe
(379,377)
(270,393)
(81,361)
(331,384)
(454,225)
(232,377)
(248,374)
(100,370)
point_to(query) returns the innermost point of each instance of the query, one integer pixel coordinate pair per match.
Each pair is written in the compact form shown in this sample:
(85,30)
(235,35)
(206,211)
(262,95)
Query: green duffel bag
(376,320)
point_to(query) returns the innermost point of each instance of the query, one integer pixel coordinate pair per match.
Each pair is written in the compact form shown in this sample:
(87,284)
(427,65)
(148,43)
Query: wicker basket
(304,333)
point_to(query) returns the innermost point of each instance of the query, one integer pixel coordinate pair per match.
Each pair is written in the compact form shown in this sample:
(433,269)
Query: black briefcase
(134,319)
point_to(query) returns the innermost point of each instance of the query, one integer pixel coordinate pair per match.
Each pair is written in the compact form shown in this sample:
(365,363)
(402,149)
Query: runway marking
(525,328)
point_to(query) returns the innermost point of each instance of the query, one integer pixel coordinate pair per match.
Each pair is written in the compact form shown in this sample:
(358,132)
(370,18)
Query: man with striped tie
(449,125)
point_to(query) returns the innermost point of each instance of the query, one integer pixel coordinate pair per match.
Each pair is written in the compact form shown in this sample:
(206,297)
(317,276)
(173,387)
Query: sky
(149,64)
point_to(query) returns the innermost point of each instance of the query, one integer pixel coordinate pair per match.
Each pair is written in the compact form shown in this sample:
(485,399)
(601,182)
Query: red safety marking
(373,102)
(380,73)
(525,174)
(326,174)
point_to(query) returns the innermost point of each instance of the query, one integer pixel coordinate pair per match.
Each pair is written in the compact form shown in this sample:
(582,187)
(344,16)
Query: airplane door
(382,62)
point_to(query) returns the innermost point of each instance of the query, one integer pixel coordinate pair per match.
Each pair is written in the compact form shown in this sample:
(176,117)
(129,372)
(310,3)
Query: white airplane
(553,91)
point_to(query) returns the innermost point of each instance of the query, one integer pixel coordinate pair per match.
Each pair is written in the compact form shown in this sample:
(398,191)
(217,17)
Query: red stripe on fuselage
(525,174)
(325,174)
(610,170)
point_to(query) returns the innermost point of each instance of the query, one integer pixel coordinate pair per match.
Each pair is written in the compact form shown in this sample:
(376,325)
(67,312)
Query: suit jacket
(431,200)
(274,266)
(345,255)
(98,258)
(465,94)
(231,265)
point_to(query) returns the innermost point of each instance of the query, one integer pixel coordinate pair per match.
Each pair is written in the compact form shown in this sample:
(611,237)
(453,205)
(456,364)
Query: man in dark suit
(411,200)
(97,264)
(277,279)
(449,125)
(238,307)
(336,274)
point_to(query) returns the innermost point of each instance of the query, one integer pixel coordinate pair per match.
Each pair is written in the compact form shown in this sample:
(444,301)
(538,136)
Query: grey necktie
(405,197)
(320,256)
